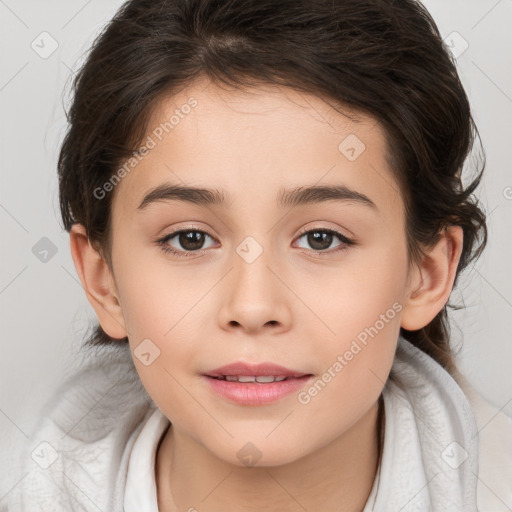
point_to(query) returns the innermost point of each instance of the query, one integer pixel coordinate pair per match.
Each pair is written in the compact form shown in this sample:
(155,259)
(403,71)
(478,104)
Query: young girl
(267,213)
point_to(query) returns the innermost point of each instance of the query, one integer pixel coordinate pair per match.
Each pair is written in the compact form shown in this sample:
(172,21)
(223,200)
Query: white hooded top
(444,449)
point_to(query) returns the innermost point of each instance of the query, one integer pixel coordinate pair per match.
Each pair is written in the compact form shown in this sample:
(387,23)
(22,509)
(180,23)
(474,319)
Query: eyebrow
(286,198)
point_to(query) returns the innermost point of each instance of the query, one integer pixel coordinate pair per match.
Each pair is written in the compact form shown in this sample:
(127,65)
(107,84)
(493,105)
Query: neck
(339,476)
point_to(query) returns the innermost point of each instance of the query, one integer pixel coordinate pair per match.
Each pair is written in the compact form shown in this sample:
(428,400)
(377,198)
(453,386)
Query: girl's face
(262,277)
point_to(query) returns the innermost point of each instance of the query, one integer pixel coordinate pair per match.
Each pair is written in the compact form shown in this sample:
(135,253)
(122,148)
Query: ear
(431,282)
(98,283)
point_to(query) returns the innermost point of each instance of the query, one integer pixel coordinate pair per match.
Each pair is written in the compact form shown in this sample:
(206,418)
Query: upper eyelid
(330,230)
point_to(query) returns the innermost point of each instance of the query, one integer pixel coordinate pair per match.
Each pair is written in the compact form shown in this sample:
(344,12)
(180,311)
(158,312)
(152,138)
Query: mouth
(249,372)
(252,384)
(255,390)
(258,379)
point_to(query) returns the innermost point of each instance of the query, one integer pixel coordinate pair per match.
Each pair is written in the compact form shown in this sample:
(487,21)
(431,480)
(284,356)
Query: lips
(261,379)
(254,384)
(245,372)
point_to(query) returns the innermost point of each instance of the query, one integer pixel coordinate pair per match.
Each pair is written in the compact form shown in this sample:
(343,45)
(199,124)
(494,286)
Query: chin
(255,454)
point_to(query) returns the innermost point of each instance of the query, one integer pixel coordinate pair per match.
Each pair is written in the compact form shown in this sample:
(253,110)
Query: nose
(255,296)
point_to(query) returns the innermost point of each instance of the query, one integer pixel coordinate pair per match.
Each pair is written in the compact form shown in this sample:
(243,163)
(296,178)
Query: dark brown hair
(378,57)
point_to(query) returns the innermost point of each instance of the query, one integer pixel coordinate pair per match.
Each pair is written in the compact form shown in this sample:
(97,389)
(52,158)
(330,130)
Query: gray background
(44,310)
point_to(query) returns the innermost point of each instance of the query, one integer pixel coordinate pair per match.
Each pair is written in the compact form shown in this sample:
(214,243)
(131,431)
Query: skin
(289,306)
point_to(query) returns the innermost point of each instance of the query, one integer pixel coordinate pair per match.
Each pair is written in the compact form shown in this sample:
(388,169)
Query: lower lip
(255,393)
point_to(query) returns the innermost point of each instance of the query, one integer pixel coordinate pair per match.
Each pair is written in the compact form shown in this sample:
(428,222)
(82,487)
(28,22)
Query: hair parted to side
(382,58)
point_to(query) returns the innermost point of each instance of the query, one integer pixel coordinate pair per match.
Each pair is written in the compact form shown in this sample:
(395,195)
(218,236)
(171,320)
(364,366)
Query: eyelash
(162,242)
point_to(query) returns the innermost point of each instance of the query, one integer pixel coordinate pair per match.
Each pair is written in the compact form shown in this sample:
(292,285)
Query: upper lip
(247,369)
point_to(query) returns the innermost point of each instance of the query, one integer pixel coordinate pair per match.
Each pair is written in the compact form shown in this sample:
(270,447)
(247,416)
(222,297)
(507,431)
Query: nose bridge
(252,275)
(255,296)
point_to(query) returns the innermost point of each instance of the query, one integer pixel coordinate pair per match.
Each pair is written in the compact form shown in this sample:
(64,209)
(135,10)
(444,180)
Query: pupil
(191,240)
(319,240)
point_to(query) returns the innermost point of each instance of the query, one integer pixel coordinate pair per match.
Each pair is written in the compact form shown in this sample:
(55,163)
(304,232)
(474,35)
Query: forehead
(255,141)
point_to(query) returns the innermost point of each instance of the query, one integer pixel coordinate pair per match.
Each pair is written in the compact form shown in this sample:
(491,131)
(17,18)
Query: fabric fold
(430,454)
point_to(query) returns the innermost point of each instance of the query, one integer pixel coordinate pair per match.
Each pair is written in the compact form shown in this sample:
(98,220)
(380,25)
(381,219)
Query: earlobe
(98,283)
(432,281)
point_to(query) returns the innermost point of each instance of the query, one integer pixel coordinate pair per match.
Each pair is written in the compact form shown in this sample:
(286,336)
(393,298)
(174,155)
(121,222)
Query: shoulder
(494,491)
(74,458)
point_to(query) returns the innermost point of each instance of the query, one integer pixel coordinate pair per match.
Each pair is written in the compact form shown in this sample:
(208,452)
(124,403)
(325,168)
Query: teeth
(252,378)
(265,378)
(243,378)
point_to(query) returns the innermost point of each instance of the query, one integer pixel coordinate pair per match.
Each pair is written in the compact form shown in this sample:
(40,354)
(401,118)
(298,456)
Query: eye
(190,240)
(321,239)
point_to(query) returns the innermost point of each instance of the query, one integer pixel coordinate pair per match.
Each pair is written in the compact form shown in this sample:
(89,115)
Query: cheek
(159,298)
(352,295)
(360,310)
(356,363)
(165,342)
(165,312)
